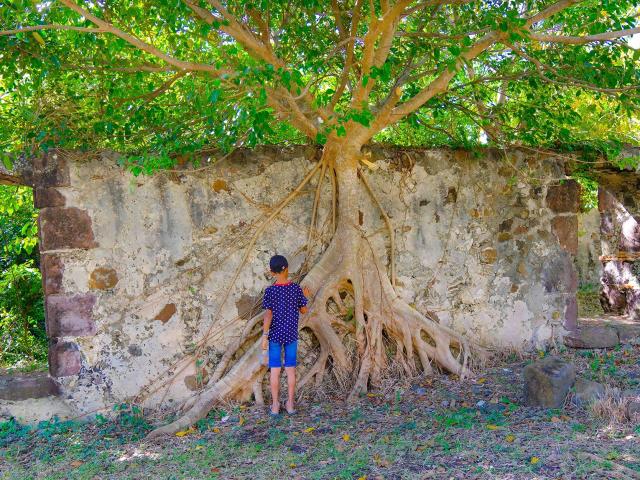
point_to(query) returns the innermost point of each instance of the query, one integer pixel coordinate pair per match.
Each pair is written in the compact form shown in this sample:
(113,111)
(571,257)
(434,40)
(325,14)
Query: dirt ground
(436,427)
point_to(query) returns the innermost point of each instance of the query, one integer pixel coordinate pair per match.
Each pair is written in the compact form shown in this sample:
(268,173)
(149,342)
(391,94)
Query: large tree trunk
(349,276)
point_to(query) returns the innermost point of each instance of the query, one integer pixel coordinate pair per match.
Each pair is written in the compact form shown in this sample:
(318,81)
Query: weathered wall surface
(619,205)
(589,249)
(134,268)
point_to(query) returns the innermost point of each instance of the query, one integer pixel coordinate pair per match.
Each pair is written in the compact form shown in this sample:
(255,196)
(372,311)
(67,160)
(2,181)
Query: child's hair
(278,263)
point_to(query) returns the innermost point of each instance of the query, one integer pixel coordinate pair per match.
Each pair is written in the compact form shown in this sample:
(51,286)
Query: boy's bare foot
(290,408)
(275,409)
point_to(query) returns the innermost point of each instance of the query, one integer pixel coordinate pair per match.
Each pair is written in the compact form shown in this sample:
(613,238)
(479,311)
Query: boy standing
(283,302)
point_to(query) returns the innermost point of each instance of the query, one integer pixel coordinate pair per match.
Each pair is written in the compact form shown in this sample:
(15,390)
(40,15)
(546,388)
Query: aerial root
(357,284)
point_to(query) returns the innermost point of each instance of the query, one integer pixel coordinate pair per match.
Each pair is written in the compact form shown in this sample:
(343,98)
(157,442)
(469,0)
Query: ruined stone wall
(135,268)
(619,205)
(589,249)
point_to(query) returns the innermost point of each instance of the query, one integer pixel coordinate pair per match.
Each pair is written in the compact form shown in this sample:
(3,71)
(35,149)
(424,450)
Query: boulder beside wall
(547,382)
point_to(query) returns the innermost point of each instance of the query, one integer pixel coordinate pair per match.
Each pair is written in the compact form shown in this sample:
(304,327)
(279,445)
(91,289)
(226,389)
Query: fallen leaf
(555,419)
(309,430)
(199,447)
(481,380)
(534,460)
(185,432)
(510,438)
(363,477)
(215,470)
(76,463)
(346,437)
(566,418)
(293,465)
(216,430)
(241,421)
(492,427)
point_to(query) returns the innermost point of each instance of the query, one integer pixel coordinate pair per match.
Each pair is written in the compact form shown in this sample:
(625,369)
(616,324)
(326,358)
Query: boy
(283,302)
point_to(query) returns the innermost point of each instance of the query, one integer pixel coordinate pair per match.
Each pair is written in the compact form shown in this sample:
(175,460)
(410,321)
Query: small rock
(587,392)
(633,409)
(633,394)
(419,390)
(547,382)
(593,336)
(481,404)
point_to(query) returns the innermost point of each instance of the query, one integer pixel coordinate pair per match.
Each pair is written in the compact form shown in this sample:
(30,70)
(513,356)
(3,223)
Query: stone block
(565,229)
(489,255)
(103,278)
(48,197)
(70,315)
(547,382)
(593,336)
(50,170)
(613,299)
(166,313)
(587,392)
(64,359)
(571,315)
(52,269)
(564,198)
(62,228)
(25,386)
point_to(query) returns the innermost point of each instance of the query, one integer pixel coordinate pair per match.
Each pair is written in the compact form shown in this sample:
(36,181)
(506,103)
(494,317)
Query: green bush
(23,340)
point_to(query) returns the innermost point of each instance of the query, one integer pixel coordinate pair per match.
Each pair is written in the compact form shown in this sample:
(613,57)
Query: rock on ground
(547,382)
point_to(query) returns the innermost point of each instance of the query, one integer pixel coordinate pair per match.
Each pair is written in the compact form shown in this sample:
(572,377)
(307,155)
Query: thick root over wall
(349,270)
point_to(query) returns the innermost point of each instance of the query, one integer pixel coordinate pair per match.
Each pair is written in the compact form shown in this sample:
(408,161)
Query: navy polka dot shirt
(284,300)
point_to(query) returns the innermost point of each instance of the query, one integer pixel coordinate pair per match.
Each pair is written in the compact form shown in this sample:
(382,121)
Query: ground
(437,427)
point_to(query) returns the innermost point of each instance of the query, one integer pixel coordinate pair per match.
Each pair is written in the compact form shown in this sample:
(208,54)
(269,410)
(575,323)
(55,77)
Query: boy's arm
(307,293)
(268,315)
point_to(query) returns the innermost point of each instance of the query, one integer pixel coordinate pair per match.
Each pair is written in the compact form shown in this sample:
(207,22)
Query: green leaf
(6,161)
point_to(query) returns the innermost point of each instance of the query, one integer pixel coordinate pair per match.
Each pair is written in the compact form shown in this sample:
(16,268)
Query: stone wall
(135,268)
(589,250)
(619,205)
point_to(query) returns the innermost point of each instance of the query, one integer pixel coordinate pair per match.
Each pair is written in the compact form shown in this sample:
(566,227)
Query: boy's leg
(291,383)
(290,351)
(275,389)
(275,364)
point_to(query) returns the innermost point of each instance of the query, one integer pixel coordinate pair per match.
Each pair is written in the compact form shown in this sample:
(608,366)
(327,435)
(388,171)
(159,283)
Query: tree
(162,80)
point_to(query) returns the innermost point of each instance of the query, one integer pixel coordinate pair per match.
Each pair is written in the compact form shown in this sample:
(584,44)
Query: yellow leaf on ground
(363,477)
(534,460)
(309,430)
(492,427)
(216,430)
(293,465)
(346,437)
(241,421)
(510,438)
(199,447)
(185,432)
(76,463)
(482,380)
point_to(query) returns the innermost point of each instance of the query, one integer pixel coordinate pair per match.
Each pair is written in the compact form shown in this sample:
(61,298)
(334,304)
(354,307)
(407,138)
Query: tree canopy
(161,79)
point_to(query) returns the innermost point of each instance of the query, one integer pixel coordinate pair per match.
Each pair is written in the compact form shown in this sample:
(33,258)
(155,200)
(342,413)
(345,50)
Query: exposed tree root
(354,297)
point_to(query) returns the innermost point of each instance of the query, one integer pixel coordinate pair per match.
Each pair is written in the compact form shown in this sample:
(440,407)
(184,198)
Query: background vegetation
(23,340)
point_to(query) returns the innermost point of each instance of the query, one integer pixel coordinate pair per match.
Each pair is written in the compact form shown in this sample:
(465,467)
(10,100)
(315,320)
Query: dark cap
(278,263)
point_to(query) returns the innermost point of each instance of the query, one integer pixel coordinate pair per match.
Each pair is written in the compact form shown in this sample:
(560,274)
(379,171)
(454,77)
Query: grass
(402,435)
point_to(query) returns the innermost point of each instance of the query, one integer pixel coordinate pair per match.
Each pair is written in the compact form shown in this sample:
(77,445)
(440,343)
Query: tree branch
(550,11)
(34,28)
(141,45)
(581,40)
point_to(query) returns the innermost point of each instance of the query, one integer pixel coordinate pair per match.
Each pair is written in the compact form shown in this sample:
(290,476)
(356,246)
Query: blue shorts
(275,354)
